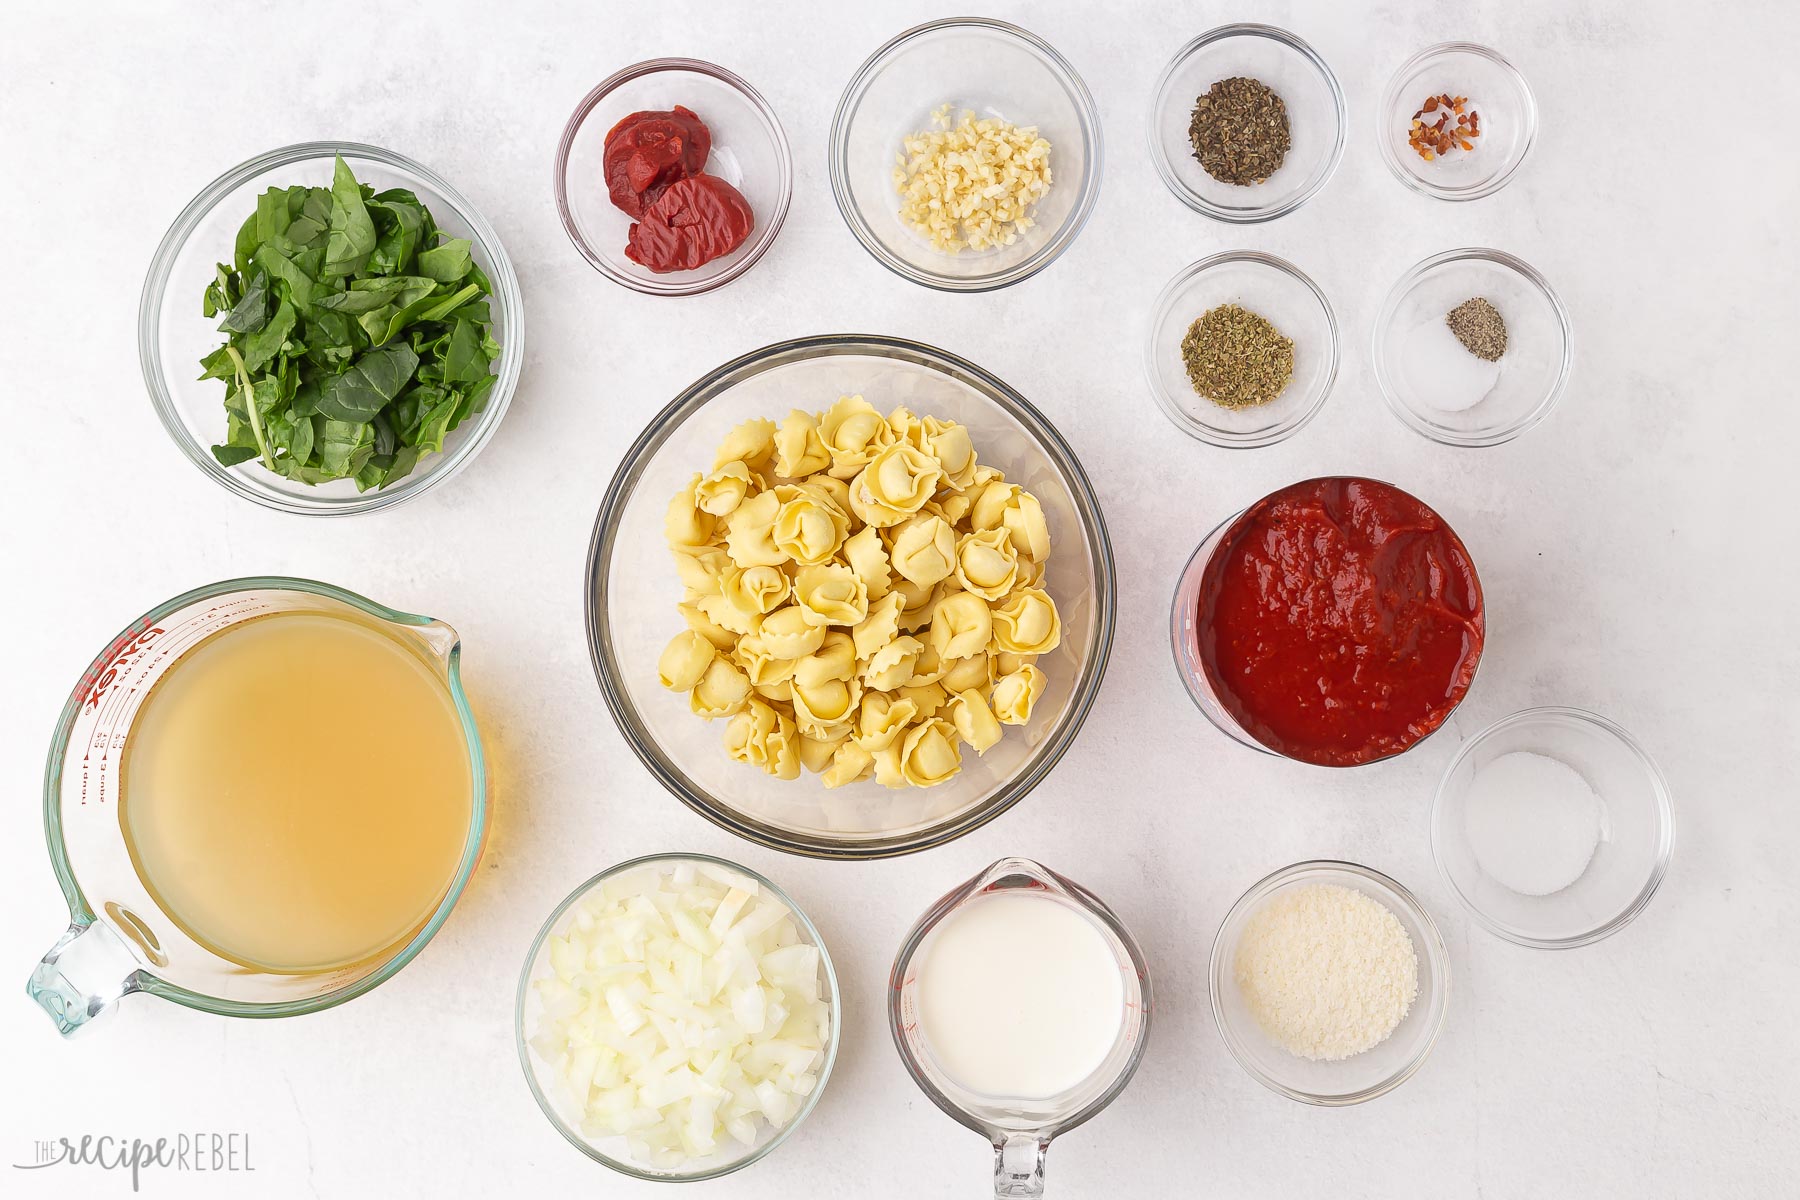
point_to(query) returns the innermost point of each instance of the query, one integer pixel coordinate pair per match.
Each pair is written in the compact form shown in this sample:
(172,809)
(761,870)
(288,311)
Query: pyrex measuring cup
(119,939)
(1021,1130)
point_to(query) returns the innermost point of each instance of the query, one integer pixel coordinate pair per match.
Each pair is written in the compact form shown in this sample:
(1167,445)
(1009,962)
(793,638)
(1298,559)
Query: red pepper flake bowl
(1491,87)
(749,151)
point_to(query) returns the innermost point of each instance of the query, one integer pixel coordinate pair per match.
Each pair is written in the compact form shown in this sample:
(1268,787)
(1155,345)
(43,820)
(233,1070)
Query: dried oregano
(1235,358)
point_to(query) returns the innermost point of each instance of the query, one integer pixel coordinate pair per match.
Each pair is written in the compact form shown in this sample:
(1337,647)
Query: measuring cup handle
(1019,1166)
(83,975)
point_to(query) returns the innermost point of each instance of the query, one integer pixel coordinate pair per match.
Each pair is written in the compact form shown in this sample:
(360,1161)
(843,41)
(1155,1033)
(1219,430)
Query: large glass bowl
(173,336)
(552,1096)
(995,70)
(632,593)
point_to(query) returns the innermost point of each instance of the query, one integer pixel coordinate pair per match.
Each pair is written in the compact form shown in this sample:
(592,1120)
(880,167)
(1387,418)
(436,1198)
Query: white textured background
(1637,552)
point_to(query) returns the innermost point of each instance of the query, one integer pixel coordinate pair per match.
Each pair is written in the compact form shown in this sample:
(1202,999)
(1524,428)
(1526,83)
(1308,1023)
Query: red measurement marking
(105,671)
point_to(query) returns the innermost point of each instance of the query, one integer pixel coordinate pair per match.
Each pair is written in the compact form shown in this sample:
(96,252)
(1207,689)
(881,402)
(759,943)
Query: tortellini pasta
(863,597)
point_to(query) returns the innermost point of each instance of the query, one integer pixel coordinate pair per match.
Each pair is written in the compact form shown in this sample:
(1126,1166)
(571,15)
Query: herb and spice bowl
(1247,123)
(912,93)
(741,150)
(1263,391)
(1490,110)
(1472,347)
(1554,828)
(1392,981)
(380,434)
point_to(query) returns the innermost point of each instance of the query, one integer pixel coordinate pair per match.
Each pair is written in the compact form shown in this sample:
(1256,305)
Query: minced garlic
(969,186)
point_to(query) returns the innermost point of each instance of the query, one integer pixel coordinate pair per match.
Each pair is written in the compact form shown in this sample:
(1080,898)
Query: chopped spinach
(357,335)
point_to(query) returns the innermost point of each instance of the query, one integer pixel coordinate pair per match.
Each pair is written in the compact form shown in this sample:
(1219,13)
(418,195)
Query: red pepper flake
(1437,139)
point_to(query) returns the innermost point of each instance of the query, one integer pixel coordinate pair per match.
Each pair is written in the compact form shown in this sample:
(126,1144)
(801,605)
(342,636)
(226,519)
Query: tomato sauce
(1340,621)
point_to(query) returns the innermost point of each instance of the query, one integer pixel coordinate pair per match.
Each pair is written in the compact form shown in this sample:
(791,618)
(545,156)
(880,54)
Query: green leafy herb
(358,336)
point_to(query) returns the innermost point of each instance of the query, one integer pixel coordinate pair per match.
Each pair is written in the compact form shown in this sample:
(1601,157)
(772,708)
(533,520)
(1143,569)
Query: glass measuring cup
(1021,1130)
(119,939)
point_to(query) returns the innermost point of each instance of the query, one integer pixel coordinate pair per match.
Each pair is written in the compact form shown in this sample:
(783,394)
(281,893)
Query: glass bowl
(749,151)
(1428,378)
(1316,120)
(1376,1071)
(1637,830)
(996,70)
(553,1099)
(633,591)
(1273,288)
(1495,90)
(1184,640)
(173,336)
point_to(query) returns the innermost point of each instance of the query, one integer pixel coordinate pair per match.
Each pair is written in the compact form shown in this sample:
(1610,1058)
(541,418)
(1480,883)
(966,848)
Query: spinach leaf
(267,341)
(367,387)
(352,237)
(446,263)
(357,337)
(300,286)
(249,313)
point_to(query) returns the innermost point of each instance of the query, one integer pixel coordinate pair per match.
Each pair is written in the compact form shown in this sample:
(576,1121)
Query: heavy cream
(1020,995)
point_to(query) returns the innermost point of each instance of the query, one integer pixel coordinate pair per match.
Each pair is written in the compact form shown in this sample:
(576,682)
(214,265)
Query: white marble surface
(1638,553)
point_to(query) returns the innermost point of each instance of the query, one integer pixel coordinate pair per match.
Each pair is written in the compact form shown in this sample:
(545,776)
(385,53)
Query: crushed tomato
(1340,621)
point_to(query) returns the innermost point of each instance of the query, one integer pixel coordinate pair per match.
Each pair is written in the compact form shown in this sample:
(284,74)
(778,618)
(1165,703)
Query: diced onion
(682,1013)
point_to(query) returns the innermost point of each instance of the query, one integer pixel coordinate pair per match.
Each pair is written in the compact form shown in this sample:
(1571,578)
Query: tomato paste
(1339,621)
(648,151)
(655,164)
(695,221)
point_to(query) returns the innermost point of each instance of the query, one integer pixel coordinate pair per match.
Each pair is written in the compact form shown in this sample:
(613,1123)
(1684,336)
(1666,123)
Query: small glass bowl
(1495,89)
(749,151)
(173,336)
(1316,119)
(1273,288)
(996,70)
(1415,355)
(1376,1071)
(632,593)
(1637,830)
(552,1098)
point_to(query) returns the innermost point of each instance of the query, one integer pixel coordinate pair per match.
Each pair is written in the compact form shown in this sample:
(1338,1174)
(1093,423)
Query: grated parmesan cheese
(1327,971)
(969,186)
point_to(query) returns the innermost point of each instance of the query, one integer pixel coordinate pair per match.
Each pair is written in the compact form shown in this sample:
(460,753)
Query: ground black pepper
(1479,326)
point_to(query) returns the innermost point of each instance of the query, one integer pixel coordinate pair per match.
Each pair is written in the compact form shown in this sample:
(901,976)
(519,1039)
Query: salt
(1532,821)
(1442,371)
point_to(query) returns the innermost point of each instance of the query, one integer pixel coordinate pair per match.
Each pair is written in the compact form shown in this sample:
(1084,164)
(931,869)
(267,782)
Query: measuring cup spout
(439,638)
(1019,1166)
(83,976)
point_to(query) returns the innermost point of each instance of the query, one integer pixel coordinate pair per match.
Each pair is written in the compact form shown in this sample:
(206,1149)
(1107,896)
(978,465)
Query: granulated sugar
(1532,821)
(1327,971)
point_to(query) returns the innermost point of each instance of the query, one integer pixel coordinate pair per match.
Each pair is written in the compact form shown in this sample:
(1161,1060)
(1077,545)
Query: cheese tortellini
(863,597)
